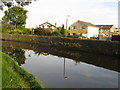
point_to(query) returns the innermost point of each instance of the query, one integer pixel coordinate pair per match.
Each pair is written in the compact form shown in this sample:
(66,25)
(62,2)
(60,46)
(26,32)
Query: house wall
(106,32)
(113,29)
(93,32)
(78,30)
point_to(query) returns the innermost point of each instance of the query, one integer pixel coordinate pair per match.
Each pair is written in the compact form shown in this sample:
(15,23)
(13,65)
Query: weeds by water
(16,77)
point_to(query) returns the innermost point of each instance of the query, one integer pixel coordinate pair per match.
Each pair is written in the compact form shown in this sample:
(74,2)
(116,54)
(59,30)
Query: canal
(59,68)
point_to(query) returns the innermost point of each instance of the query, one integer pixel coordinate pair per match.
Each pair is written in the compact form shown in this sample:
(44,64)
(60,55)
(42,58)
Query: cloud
(55,11)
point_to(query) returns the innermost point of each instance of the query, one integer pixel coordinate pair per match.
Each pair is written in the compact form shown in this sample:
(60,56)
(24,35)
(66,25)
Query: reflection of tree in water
(17,54)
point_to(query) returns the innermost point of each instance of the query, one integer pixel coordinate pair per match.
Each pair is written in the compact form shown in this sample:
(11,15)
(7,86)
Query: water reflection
(56,72)
(17,54)
(45,49)
(57,67)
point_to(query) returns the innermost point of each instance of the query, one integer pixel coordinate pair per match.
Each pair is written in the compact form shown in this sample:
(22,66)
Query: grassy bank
(13,76)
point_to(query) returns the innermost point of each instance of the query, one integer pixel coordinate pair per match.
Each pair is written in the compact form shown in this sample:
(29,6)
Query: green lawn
(13,76)
(0,71)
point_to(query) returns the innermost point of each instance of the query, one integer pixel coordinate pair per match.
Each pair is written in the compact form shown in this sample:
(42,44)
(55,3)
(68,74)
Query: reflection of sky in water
(50,71)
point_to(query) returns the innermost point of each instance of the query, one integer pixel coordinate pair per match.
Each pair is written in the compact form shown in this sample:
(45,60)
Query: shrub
(56,33)
(17,31)
(8,26)
(94,38)
(115,37)
(43,32)
(48,32)
(75,36)
(11,29)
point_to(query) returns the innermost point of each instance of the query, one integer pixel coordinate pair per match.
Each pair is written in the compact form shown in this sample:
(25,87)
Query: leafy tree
(63,31)
(69,28)
(11,3)
(15,16)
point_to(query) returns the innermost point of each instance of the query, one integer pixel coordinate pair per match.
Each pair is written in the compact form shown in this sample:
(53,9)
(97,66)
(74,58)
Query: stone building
(84,28)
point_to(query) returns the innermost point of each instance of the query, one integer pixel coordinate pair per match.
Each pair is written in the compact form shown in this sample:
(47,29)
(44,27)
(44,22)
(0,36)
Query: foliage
(10,3)
(56,33)
(47,32)
(15,16)
(11,29)
(105,38)
(7,26)
(63,32)
(94,38)
(75,36)
(0,71)
(16,77)
(42,32)
(116,37)
(17,31)
(17,54)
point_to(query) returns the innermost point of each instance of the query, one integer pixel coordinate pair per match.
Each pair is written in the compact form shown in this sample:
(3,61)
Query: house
(108,30)
(47,25)
(84,28)
(44,26)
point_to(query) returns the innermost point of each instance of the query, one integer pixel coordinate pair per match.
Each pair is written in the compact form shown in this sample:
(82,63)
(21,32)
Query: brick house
(107,30)
(84,28)
(47,25)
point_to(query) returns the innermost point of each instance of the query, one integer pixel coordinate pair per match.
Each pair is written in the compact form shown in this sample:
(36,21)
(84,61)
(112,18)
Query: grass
(13,76)
(0,71)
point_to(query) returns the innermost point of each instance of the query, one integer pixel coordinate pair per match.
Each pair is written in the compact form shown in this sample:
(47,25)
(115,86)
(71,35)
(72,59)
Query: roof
(47,23)
(104,26)
(84,23)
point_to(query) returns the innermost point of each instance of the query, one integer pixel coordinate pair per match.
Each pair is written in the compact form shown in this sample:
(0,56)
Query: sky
(56,11)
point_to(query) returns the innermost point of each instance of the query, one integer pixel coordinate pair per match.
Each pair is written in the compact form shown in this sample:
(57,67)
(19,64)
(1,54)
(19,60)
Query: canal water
(59,68)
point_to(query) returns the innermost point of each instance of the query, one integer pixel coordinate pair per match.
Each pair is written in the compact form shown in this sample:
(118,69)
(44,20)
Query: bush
(56,33)
(94,38)
(17,31)
(45,32)
(75,36)
(8,26)
(115,37)
(11,29)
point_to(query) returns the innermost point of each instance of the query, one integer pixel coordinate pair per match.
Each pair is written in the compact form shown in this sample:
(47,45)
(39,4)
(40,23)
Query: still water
(57,68)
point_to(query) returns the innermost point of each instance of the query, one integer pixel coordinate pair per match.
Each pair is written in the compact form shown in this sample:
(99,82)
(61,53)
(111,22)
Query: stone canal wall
(93,46)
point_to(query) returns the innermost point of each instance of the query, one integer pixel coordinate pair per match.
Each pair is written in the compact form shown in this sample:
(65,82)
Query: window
(74,33)
(74,27)
(82,27)
(68,33)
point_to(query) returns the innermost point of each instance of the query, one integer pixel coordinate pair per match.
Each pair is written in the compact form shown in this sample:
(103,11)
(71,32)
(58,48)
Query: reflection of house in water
(44,53)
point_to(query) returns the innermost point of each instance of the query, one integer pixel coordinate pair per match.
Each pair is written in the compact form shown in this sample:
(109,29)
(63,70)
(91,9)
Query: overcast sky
(56,11)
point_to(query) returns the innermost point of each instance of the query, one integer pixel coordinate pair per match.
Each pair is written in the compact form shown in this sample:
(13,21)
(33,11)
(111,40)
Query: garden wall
(92,46)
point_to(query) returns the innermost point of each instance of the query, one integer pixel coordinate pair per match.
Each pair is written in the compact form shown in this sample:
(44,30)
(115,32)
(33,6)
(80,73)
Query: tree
(63,31)
(11,3)
(15,16)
